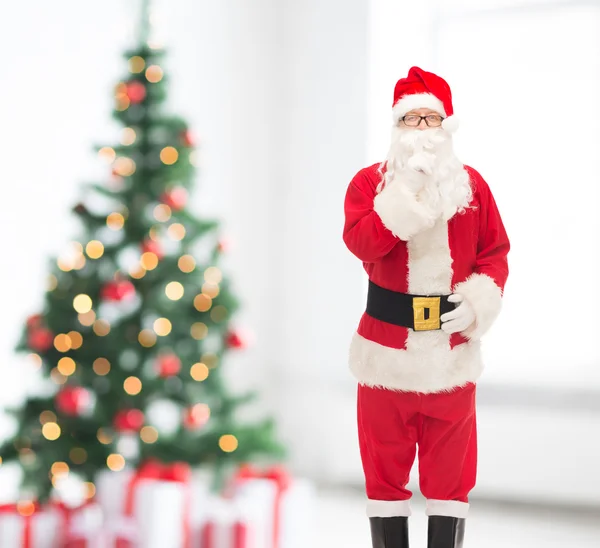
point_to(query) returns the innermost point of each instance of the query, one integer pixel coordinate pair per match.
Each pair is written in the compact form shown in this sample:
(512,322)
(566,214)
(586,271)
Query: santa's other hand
(459,319)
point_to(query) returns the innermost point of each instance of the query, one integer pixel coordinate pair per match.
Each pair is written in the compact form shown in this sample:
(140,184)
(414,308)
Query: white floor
(341,522)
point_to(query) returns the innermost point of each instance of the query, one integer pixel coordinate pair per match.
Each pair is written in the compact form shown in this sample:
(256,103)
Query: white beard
(424,162)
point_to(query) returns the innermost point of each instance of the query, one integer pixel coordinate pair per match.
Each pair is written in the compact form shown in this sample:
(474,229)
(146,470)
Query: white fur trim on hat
(451,124)
(414,101)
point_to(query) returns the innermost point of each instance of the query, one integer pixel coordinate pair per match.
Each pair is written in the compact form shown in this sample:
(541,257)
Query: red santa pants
(392,424)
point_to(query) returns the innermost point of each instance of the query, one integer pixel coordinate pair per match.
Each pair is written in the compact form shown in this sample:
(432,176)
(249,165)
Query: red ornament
(136,91)
(128,420)
(72,400)
(187,138)
(235,340)
(176,198)
(34,321)
(117,290)
(40,339)
(196,417)
(150,246)
(223,245)
(168,365)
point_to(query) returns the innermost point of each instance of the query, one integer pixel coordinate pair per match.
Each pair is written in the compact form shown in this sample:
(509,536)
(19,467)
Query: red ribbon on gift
(26,540)
(155,470)
(240,535)
(281,478)
(67,513)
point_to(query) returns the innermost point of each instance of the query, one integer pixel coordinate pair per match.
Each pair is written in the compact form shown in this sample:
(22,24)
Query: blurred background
(289,100)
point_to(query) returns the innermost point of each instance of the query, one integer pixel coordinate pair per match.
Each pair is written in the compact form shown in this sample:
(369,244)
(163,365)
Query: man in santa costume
(430,237)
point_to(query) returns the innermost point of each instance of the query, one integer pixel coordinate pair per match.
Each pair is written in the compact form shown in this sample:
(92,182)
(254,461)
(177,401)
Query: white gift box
(230,523)
(159,510)
(45,527)
(295,513)
(86,524)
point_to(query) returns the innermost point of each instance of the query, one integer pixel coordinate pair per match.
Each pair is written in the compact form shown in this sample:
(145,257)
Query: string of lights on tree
(137,317)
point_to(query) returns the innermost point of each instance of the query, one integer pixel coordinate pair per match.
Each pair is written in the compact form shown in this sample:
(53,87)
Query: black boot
(445,532)
(389,532)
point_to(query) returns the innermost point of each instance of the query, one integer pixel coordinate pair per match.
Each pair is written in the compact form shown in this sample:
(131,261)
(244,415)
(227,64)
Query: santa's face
(422,118)
(422,158)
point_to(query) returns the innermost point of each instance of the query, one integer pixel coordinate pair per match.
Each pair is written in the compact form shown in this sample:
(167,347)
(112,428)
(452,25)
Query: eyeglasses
(413,120)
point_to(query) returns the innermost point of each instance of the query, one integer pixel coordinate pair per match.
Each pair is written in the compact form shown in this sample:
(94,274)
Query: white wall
(318,282)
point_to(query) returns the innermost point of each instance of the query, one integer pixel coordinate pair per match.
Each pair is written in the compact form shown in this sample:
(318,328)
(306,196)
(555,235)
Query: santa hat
(421,89)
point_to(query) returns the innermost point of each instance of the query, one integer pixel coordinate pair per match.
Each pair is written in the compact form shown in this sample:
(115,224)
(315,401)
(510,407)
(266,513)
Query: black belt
(418,312)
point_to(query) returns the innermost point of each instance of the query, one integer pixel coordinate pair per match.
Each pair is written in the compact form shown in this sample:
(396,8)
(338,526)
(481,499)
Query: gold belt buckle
(420,304)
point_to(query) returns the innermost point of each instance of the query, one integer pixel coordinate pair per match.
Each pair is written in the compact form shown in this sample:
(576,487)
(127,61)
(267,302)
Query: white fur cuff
(388,508)
(400,212)
(485,297)
(451,508)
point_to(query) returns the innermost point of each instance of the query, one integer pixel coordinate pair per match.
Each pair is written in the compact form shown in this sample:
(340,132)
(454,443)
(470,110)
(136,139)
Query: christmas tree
(137,317)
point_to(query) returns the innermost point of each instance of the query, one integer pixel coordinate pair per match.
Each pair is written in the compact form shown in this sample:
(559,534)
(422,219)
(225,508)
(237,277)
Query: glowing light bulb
(162,213)
(66,366)
(132,386)
(136,64)
(94,249)
(213,275)
(154,74)
(147,338)
(47,416)
(115,221)
(101,366)
(35,359)
(76,339)
(176,231)
(115,462)
(149,434)
(125,167)
(101,328)
(107,154)
(228,443)
(199,372)
(174,291)
(211,290)
(51,431)
(169,155)
(128,136)
(103,436)
(186,264)
(149,260)
(90,490)
(162,327)
(137,273)
(202,302)
(199,330)
(25,508)
(87,318)
(62,342)
(60,469)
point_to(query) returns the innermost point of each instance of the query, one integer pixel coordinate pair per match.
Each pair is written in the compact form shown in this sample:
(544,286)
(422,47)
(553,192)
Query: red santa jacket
(401,252)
